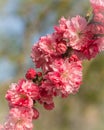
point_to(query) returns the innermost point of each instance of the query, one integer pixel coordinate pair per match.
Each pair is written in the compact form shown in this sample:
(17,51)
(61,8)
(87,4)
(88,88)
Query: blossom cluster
(59,56)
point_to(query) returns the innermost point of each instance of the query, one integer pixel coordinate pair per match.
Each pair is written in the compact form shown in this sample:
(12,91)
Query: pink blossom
(47,44)
(73,32)
(96,25)
(20,118)
(37,56)
(40,59)
(15,98)
(66,75)
(22,94)
(59,56)
(78,24)
(97,5)
(97,22)
(88,52)
(46,50)
(78,35)
(31,89)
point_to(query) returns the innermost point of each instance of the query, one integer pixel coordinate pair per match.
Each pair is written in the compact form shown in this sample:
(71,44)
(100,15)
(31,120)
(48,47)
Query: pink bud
(30,74)
(61,48)
(39,74)
(49,106)
(36,113)
(73,58)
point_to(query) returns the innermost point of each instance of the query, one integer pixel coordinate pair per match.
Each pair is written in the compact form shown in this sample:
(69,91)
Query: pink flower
(73,32)
(17,98)
(46,50)
(97,22)
(20,118)
(90,50)
(47,44)
(96,27)
(31,89)
(97,5)
(40,58)
(78,35)
(22,94)
(66,75)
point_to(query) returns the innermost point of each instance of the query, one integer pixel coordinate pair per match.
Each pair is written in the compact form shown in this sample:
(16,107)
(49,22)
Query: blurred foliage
(22,22)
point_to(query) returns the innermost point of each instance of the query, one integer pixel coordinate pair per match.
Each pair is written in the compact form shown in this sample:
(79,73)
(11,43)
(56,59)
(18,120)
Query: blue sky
(11,28)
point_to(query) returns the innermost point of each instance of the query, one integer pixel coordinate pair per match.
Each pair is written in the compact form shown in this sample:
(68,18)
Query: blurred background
(22,22)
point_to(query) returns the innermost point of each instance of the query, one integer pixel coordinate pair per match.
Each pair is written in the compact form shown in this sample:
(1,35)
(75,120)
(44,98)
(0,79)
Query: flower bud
(30,74)
(36,113)
(61,48)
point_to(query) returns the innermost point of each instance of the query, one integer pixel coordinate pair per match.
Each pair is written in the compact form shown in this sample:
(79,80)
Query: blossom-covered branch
(59,56)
